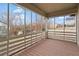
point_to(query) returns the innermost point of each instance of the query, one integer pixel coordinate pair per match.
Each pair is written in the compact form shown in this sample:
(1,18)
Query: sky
(58,20)
(2,8)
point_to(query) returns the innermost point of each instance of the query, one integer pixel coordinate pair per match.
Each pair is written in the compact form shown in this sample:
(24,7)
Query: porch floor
(51,47)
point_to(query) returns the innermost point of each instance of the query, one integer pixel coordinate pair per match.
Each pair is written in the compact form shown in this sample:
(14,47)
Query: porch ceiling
(52,9)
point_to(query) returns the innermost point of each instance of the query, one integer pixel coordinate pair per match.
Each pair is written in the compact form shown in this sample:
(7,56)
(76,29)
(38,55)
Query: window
(34,23)
(51,24)
(70,27)
(28,28)
(16,28)
(16,21)
(3,28)
(43,24)
(39,22)
(28,21)
(70,23)
(59,23)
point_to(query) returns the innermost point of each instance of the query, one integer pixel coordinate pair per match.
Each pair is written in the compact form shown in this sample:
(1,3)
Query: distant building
(3,29)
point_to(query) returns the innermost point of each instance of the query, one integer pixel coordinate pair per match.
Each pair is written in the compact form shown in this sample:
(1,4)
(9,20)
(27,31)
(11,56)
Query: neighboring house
(3,29)
(70,22)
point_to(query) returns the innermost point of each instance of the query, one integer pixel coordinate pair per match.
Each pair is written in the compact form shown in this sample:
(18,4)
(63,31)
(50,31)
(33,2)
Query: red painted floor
(51,47)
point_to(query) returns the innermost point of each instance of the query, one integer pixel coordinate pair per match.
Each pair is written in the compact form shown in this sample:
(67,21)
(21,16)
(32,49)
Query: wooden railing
(67,36)
(19,43)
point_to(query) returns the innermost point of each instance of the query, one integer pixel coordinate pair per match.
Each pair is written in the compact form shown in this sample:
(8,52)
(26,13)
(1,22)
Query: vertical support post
(8,30)
(36,27)
(64,28)
(41,27)
(25,27)
(78,26)
(31,28)
(46,28)
(54,26)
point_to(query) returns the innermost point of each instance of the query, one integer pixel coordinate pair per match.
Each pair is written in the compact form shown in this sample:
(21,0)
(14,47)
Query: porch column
(46,28)
(77,26)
